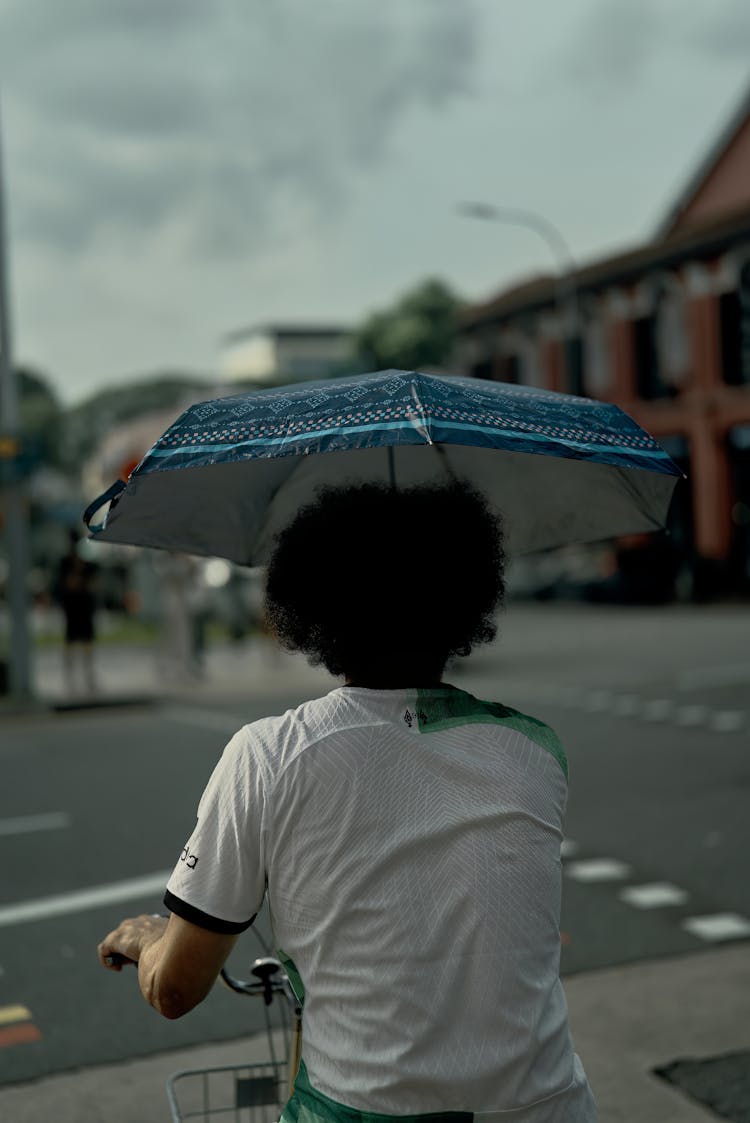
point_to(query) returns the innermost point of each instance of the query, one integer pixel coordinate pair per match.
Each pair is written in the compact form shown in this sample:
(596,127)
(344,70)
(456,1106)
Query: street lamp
(566,295)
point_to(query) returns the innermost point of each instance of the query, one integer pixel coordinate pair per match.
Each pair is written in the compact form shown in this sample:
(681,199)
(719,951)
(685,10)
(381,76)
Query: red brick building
(663,331)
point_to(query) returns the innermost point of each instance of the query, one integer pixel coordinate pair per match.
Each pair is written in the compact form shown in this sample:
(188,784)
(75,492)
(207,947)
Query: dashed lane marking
(627,705)
(597,869)
(657,709)
(654,895)
(719,926)
(82,900)
(727,721)
(601,701)
(691,715)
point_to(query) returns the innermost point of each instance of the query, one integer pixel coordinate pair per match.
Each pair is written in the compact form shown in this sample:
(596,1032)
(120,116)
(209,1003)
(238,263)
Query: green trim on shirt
(295,979)
(308,1105)
(449,707)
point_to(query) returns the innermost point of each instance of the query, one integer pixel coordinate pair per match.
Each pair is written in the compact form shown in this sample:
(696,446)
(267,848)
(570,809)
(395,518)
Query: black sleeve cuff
(203,919)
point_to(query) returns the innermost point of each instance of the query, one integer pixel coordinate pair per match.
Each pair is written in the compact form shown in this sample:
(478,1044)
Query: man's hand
(129,940)
(177,961)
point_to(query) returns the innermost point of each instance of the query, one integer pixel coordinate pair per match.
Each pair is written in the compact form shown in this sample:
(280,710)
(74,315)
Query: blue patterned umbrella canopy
(230,473)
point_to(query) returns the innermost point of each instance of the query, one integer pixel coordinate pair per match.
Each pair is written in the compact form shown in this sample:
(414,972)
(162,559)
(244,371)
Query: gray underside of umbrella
(234,510)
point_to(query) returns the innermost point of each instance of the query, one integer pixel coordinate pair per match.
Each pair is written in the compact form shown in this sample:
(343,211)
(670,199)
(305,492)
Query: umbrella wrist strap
(106,497)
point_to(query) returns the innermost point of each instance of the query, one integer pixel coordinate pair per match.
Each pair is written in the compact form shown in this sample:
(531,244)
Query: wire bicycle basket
(253,1092)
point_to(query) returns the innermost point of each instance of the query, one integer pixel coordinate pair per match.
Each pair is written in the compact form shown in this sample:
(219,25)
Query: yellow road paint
(10,1014)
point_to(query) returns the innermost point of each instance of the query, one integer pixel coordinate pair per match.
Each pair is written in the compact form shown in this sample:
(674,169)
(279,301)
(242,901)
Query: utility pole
(12,489)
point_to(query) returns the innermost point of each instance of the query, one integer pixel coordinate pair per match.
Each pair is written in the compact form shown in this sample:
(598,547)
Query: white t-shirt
(409,844)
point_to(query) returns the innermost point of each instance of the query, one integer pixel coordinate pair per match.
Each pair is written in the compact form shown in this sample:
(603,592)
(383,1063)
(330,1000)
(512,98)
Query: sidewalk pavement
(626,1021)
(130,675)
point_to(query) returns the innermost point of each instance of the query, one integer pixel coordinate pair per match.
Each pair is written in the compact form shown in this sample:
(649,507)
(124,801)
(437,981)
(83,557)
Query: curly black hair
(384,586)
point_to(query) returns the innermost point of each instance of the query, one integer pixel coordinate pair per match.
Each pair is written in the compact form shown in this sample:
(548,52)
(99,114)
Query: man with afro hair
(405,834)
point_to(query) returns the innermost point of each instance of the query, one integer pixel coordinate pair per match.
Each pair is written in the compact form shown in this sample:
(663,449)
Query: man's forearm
(177,961)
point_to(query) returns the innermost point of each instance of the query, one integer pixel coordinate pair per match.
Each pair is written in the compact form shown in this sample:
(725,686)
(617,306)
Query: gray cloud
(724,30)
(214,118)
(617,40)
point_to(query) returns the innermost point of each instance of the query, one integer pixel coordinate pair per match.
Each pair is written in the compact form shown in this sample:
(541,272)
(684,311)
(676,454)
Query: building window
(734,313)
(650,382)
(485,369)
(671,336)
(573,351)
(662,347)
(739,467)
(508,368)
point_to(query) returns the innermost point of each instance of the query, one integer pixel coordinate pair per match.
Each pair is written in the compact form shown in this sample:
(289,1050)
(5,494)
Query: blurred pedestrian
(182,601)
(75,590)
(406,834)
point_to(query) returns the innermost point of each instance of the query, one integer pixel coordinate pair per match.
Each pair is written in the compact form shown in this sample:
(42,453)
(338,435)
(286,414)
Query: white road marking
(627,705)
(81,900)
(719,926)
(598,701)
(658,709)
(204,719)
(654,895)
(598,869)
(691,715)
(727,721)
(27,824)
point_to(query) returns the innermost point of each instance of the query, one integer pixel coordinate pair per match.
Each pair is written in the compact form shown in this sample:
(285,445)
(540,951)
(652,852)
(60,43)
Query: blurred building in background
(272,354)
(664,332)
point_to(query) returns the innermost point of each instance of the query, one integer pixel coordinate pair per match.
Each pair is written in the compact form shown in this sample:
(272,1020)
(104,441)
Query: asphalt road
(654,711)
(119,790)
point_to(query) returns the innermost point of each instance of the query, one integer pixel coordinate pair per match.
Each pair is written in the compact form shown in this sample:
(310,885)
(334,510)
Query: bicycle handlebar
(270,979)
(118,960)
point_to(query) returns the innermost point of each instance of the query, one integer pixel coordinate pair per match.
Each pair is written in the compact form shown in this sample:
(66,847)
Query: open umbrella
(230,473)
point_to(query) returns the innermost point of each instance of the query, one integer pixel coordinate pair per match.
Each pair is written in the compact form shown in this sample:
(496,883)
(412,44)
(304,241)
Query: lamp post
(566,294)
(14,506)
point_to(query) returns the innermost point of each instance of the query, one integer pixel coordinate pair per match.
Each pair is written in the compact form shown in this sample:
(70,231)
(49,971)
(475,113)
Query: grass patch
(129,631)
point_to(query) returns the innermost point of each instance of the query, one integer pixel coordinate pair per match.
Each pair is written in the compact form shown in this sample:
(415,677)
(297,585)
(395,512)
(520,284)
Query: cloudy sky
(177,169)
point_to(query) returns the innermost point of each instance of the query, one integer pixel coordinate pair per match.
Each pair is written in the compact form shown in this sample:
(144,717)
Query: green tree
(40,416)
(418,330)
(87,421)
